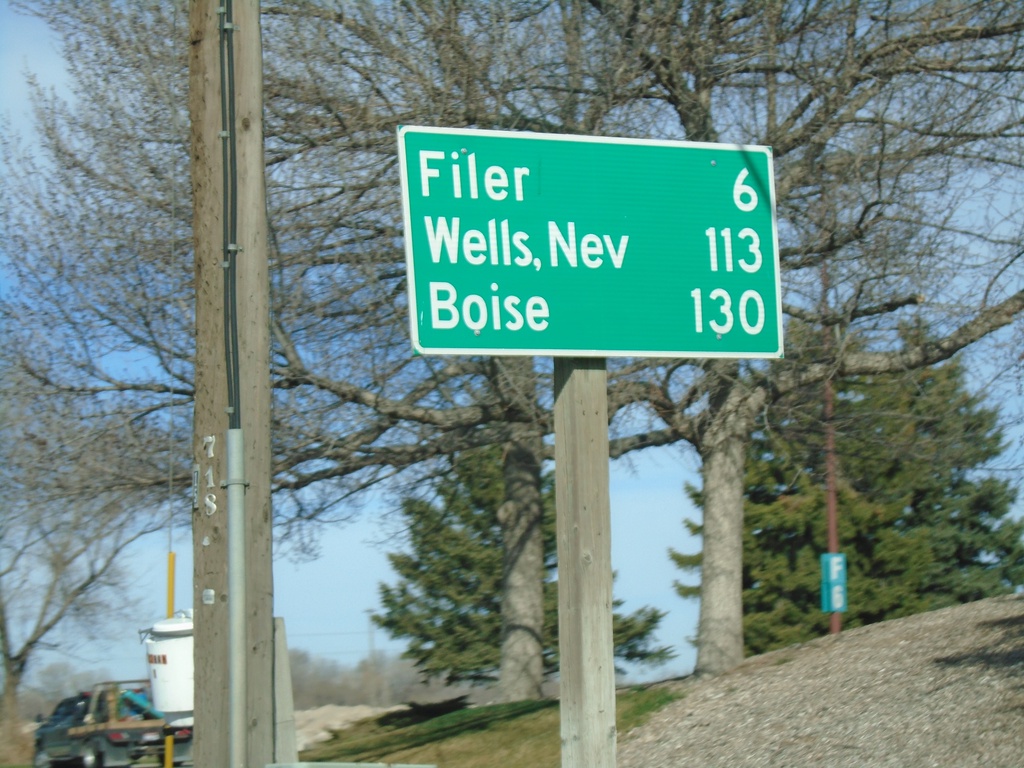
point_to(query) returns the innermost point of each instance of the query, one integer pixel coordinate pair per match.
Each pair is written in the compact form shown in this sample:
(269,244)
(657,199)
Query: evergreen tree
(447,601)
(921,526)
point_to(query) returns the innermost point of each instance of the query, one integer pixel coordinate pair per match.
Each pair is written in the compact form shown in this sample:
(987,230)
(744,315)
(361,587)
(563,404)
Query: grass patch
(634,707)
(454,736)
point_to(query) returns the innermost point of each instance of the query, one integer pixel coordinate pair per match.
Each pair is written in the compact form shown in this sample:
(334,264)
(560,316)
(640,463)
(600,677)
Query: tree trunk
(723,451)
(14,744)
(521,670)
(522,598)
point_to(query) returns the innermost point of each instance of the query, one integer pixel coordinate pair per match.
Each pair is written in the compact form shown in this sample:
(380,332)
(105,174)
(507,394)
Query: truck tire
(91,757)
(40,760)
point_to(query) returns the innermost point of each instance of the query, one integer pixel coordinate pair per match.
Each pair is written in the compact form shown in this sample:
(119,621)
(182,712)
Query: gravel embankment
(315,725)
(944,688)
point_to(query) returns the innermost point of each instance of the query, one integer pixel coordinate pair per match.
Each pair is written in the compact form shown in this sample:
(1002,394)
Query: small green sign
(543,244)
(833,583)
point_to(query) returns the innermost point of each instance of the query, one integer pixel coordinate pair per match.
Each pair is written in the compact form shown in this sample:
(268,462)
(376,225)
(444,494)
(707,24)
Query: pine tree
(447,601)
(920,523)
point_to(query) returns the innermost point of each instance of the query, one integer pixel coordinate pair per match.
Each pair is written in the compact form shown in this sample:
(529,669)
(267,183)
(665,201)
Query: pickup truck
(114,724)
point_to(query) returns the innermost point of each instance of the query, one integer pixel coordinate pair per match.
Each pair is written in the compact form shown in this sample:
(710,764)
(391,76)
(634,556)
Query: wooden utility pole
(215,194)
(586,653)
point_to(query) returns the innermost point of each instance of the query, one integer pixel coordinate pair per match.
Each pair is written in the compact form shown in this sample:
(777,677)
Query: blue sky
(25,44)
(325,602)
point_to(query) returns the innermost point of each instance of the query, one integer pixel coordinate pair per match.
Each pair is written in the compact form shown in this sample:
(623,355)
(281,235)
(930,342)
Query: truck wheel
(91,758)
(40,760)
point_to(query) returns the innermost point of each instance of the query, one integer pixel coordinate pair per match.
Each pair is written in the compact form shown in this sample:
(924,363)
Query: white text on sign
(495,178)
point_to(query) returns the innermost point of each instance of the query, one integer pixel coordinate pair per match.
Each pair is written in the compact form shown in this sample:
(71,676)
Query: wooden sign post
(526,244)
(587,669)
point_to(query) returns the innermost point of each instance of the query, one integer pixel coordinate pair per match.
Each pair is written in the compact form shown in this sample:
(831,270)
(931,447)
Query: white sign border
(555,352)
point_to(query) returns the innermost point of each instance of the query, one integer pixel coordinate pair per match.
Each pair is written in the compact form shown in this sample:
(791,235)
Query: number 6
(743,194)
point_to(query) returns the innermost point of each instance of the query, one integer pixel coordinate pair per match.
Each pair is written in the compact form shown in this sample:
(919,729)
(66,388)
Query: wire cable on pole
(229,172)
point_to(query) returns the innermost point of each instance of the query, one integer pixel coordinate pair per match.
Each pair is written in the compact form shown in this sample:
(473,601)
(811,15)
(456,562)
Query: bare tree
(884,128)
(379,66)
(55,681)
(896,131)
(379,680)
(66,526)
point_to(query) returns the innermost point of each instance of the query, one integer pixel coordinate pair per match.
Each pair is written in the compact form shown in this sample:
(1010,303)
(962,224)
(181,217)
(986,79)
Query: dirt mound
(944,688)
(316,725)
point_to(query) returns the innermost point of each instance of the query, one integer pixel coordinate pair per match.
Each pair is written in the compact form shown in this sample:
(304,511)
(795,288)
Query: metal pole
(832,503)
(236,599)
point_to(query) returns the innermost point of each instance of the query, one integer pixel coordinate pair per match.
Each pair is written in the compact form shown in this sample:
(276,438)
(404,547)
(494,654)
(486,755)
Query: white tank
(171,672)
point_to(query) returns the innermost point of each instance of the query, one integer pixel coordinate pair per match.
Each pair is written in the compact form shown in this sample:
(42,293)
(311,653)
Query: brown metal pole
(832,504)
(836,620)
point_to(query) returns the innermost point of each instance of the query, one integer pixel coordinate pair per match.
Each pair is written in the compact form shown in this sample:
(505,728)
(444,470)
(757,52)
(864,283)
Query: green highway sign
(544,244)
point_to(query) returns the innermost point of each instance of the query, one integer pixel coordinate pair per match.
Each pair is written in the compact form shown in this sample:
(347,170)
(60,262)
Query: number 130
(727,316)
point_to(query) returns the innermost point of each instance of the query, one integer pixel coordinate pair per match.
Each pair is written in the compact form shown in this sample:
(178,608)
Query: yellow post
(170,585)
(168,739)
